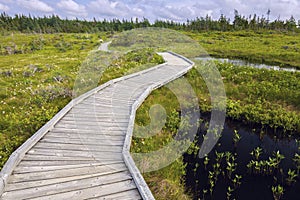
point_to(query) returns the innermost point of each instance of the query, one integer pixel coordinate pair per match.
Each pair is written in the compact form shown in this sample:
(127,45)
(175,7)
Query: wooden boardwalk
(83,152)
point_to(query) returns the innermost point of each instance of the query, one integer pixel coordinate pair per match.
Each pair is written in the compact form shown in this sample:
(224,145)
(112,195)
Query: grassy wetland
(268,47)
(262,105)
(252,104)
(37,76)
(38,72)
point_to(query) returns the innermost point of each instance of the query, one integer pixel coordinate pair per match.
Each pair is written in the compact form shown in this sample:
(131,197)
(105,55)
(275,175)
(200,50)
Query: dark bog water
(245,63)
(253,186)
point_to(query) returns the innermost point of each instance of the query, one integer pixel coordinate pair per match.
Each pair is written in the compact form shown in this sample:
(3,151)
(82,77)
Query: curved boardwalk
(83,152)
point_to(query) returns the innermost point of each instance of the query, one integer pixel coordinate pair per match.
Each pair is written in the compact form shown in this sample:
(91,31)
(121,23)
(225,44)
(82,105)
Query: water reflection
(245,63)
(252,186)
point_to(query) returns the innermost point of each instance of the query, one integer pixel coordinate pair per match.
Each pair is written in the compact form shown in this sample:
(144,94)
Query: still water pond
(252,186)
(245,63)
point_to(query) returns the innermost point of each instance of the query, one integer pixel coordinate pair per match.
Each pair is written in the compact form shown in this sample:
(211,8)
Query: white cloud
(104,7)
(178,10)
(285,8)
(4,7)
(6,1)
(35,5)
(115,9)
(72,8)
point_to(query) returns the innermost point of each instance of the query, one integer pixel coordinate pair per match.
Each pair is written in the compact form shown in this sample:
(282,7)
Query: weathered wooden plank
(124,95)
(127,94)
(94,147)
(95,119)
(99,127)
(101,105)
(84,136)
(78,184)
(77,154)
(92,133)
(173,68)
(124,86)
(137,81)
(105,102)
(95,101)
(101,110)
(151,77)
(157,76)
(99,117)
(95,108)
(107,107)
(103,123)
(20,169)
(57,158)
(92,112)
(85,126)
(118,90)
(98,114)
(29,163)
(93,129)
(83,140)
(78,147)
(88,131)
(60,157)
(38,176)
(127,195)
(113,99)
(95,137)
(92,192)
(39,183)
(93,123)
(155,79)
(131,83)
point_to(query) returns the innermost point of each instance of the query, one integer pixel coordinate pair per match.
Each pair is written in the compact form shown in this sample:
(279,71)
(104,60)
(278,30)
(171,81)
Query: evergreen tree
(54,24)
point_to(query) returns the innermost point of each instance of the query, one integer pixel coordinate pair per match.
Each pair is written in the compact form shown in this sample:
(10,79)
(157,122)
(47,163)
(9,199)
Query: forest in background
(54,24)
(38,70)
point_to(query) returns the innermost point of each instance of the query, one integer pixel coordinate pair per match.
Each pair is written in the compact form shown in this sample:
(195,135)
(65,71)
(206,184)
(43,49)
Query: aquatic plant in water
(278,192)
(236,137)
(256,153)
(296,159)
(292,175)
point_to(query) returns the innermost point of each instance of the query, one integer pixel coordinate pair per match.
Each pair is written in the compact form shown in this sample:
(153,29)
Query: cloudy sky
(178,10)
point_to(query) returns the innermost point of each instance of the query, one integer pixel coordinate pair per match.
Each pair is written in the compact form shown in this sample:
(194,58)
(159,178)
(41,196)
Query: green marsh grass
(37,83)
(39,71)
(267,47)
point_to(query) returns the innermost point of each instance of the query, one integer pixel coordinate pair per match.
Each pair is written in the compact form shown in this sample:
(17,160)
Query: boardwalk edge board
(137,176)
(142,187)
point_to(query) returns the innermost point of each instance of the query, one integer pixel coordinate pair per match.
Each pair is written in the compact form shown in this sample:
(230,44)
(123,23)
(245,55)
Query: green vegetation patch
(38,73)
(36,84)
(268,47)
(260,98)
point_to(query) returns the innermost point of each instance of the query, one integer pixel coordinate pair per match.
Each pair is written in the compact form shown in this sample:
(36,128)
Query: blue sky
(177,10)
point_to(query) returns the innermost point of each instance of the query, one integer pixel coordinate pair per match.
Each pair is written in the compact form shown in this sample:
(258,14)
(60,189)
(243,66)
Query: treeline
(54,24)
